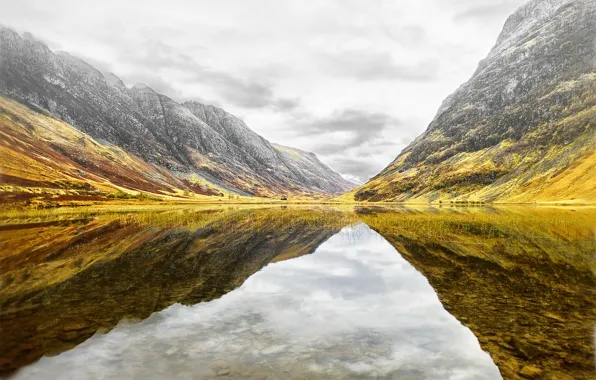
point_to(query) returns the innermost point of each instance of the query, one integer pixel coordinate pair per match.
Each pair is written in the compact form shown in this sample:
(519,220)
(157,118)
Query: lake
(298,292)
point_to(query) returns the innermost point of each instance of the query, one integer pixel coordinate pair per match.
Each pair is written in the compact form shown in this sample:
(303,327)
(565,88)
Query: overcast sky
(352,81)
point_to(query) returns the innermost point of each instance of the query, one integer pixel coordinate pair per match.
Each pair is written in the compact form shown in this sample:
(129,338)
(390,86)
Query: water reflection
(354,309)
(63,280)
(521,279)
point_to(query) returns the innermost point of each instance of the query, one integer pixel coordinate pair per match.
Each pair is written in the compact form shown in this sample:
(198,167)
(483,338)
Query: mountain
(522,129)
(192,142)
(290,163)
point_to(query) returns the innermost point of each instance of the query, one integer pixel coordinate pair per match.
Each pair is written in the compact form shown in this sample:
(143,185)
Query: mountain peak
(526,16)
(12,37)
(29,37)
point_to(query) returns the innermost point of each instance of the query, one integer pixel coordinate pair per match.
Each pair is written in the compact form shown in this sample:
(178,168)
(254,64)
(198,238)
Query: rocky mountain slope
(187,140)
(41,152)
(314,171)
(522,129)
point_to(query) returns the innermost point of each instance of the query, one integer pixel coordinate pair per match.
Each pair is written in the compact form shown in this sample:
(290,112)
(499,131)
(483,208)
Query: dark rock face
(522,99)
(364,194)
(185,138)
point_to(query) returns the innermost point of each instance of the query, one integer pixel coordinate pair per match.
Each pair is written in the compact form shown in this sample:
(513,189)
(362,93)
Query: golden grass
(486,227)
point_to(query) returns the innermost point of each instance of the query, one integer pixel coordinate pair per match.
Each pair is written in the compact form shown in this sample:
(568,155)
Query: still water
(299,294)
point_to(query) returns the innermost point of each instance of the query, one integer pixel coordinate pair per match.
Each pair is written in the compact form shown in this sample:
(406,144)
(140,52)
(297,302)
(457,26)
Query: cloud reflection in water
(355,309)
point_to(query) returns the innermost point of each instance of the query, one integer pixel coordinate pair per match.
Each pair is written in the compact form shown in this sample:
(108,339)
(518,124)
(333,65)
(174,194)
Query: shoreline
(109,205)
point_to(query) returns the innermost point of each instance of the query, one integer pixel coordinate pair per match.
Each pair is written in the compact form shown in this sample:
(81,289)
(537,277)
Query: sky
(352,81)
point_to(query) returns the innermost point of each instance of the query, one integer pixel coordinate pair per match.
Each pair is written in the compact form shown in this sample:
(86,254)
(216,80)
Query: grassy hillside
(45,162)
(189,140)
(554,162)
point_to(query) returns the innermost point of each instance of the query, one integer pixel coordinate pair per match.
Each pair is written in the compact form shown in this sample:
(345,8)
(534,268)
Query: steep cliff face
(521,129)
(235,131)
(187,139)
(291,164)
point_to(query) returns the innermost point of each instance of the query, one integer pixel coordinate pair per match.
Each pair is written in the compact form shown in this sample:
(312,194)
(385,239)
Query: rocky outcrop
(522,128)
(187,139)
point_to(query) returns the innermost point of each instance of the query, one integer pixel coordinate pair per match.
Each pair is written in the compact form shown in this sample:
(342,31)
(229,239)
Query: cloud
(408,35)
(351,141)
(358,143)
(246,94)
(370,66)
(357,168)
(286,104)
(155,56)
(104,67)
(237,91)
(155,82)
(360,126)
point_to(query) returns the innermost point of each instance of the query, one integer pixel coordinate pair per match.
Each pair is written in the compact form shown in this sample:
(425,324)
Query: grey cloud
(408,36)
(238,92)
(375,66)
(99,65)
(351,120)
(373,146)
(359,168)
(244,93)
(363,126)
(286,104)
(156,55)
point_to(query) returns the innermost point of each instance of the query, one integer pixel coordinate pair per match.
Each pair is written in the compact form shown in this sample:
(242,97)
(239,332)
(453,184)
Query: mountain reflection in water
(520,279)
